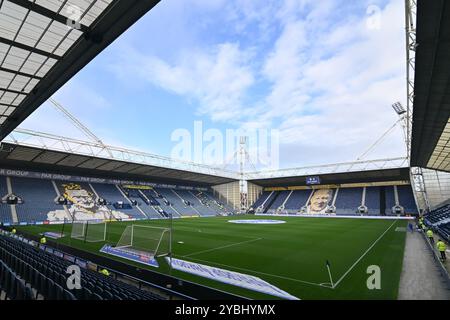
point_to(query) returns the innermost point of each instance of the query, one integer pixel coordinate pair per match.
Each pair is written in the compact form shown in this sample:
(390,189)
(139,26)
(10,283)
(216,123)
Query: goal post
(89,231)
(95,231)
(146,239)
(78,230)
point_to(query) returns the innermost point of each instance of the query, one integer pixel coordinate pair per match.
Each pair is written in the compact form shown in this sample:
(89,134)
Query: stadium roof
(41,48)
(430,146)
(380,175)
(55,161)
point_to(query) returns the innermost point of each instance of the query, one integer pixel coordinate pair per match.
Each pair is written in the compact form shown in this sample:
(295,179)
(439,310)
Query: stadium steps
(142,202)
(129,201)
(69,216)
(183,200)
(270,200)
(205,206)
(15,217)
(152,207)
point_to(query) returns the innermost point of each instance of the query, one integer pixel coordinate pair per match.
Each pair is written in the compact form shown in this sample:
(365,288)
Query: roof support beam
(24,74)
(115,19)
(14,91)
(28,48)
(46,13)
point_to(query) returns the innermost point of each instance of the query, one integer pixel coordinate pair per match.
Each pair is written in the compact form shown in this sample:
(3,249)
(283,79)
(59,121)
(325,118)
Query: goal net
(78,230)
(89,231)
(153,241)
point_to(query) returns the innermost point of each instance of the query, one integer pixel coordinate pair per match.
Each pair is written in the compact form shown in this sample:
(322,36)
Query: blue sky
(323,73)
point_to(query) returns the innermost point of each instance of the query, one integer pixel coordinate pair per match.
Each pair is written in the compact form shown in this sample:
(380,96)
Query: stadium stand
(112,195)
(38,196)
(195,202)
(5,209)
(297,200)
(262,200)
(348,200)
(278,201)
(28,273)
(144,203)
(406,199)
(208,201)
(176,202)
(223,207)
(373,200)
(439,219)
(163,203)
(390,199)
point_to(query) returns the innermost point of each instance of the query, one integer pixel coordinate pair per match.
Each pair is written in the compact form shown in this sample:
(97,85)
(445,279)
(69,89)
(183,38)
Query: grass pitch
(291,256)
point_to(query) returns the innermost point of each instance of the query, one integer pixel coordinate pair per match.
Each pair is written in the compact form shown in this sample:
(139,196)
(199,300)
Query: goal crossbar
(148,239)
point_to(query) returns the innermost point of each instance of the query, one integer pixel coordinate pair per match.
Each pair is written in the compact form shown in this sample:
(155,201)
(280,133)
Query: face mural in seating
(320,200)
(84,206)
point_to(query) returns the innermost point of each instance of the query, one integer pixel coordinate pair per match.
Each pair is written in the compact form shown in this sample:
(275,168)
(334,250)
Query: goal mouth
(89,230)
(144,241)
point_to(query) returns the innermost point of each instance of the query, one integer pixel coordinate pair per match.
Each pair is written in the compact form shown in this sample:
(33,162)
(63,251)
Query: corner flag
(329,273)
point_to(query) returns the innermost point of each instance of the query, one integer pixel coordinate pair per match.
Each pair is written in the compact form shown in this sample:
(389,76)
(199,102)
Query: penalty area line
(363,255)
(221,247)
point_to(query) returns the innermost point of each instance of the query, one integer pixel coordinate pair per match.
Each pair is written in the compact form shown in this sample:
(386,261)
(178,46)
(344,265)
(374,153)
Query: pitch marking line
(323,285)
(363,255)
(221,247)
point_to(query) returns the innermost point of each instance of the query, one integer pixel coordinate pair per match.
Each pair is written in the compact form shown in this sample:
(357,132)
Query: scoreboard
(312,180)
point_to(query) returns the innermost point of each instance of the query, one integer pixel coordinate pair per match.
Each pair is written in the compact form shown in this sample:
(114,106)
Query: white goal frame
(85,231)
(155,251)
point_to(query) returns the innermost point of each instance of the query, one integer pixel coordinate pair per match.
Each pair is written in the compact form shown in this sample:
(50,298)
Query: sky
(318,77)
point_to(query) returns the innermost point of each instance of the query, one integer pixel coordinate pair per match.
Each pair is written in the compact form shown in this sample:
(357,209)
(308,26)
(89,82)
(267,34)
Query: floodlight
(398,108)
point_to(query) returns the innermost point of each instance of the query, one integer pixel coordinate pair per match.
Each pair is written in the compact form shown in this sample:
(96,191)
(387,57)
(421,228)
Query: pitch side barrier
(179,288)
(335,216)
(442,269)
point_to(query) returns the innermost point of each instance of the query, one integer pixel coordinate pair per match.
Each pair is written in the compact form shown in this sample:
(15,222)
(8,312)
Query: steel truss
(411,45)
(30,138)
(343,167)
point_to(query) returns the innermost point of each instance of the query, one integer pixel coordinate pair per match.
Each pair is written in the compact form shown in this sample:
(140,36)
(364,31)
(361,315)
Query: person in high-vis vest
(43,240)
(430,236)
(13,231)
(441,248)
(105,272)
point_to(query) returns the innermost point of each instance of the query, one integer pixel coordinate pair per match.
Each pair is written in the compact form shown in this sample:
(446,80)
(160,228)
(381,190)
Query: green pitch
(291,256)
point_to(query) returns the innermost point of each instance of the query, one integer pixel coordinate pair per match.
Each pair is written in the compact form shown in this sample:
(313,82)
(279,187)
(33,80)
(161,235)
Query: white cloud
(329,80)
(334,89)
(218,79)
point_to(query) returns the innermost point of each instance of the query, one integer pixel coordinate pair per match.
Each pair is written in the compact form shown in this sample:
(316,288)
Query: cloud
(314,70)
(335,88)
(217,79)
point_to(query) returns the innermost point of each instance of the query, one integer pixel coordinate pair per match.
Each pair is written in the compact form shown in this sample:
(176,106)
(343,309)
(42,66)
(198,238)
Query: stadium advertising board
(51,176)
(130,255)
(230,277)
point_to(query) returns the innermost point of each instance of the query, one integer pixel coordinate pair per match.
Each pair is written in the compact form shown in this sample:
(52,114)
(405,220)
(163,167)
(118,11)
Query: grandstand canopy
(431,126)
(41,48)
(383,175)
(38,159)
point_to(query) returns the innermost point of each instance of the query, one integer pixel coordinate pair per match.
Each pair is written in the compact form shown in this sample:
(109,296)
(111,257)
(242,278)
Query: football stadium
(81,219)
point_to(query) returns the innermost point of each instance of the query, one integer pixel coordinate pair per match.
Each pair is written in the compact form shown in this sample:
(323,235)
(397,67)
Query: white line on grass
(258,272)
(360,258)
(221,247)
